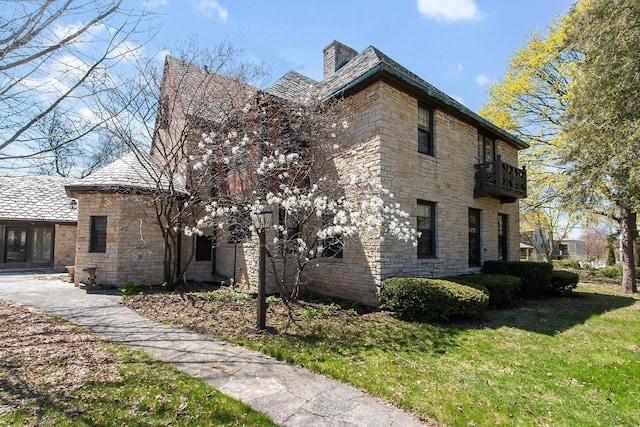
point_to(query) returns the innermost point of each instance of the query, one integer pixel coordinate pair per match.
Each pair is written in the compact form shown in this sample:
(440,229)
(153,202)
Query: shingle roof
(130,173)
(203,93)
(371,62)
(35,198)
(294,86)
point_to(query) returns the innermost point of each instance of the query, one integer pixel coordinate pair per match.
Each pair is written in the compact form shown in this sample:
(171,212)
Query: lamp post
(262,221)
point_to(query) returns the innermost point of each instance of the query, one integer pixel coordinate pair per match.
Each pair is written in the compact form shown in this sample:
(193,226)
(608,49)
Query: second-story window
(486,149)
(425,131)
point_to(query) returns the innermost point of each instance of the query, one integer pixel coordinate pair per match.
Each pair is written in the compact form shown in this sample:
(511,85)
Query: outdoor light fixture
(73,204)
(261,221)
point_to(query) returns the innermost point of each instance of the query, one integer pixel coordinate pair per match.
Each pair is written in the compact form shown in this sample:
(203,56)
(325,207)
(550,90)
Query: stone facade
(134,247)
(384,122)
(64,250)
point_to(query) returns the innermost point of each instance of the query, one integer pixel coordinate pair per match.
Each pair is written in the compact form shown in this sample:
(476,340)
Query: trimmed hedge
(535,276)
(430,299)
(563,281)
(499,287)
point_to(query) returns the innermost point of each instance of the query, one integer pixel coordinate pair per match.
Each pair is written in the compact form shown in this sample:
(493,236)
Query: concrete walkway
(289,395)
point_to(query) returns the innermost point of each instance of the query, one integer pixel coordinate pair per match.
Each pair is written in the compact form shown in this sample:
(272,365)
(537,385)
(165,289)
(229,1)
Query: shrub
(610,272)
(563,281)
(499,287)
(130,288)
(430,299)
(566,263)
(535,276)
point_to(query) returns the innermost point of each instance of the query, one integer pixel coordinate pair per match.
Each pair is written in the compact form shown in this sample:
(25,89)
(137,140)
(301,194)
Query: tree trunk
(626,251)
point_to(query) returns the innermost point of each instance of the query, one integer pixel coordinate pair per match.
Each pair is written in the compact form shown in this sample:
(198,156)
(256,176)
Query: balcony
(500,180)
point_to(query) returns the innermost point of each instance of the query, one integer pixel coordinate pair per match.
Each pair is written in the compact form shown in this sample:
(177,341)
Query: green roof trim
(431,92)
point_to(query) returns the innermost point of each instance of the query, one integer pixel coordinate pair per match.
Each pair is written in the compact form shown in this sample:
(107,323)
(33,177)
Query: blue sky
(459,46)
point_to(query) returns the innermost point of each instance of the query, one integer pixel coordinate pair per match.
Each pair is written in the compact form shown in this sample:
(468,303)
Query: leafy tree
(529,102)
(603,114)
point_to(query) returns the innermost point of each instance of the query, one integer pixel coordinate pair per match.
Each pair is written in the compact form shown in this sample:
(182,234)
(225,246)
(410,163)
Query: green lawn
(571,361)
(564,361)
(55,374)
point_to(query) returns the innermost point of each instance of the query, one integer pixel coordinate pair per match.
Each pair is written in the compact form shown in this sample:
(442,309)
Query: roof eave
(383,71)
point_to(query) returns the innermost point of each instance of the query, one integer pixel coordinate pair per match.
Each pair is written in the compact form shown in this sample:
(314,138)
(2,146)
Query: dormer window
(425,131)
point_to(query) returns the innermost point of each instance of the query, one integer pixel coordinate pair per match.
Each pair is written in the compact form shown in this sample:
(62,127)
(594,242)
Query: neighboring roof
(525,246)
(371,64)
(134,172)
(35,198)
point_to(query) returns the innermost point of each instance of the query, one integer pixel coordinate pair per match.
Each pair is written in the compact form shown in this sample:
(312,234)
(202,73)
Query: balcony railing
(500,180)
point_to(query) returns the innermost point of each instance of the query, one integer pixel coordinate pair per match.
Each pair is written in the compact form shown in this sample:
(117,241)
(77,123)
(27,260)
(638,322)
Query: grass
(554,361)
(128,388)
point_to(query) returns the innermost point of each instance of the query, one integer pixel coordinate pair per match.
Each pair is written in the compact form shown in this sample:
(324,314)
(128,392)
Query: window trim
(430,150)
(432,230)
(98,234)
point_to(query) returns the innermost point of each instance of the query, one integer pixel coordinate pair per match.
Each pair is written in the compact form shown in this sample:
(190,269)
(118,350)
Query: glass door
(41,247)
(15,246)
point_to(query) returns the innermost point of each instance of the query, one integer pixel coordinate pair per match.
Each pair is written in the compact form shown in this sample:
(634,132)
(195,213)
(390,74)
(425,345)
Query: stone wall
(135,247)
(64,250)
(384,123)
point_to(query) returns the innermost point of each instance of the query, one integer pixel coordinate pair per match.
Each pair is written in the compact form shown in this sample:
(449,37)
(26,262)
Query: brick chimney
(335,56)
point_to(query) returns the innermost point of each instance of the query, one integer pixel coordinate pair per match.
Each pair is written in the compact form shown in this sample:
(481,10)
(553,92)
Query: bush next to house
(499,287)
(430,299)
(563,281)
(535,276)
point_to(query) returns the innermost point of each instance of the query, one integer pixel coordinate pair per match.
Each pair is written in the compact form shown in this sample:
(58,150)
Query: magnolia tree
(299,162)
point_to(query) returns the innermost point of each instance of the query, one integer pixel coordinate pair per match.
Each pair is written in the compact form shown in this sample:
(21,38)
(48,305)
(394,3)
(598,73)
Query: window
(98,234)
(503,227)
(426,225)
(474,238)
(204,248)
(332,246)
(486,149)
(425,131)
(292,227)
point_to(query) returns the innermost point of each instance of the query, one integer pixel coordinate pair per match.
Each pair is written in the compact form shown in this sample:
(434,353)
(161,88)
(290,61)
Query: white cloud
(211,7)
(450,10)
(482,79)
(459,67)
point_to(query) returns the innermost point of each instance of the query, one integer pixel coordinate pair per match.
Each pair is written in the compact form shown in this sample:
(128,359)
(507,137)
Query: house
(37,222)
(454,172)
(118,231)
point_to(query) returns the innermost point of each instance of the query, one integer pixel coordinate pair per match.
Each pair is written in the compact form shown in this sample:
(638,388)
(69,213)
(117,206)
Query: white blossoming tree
(301,162)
